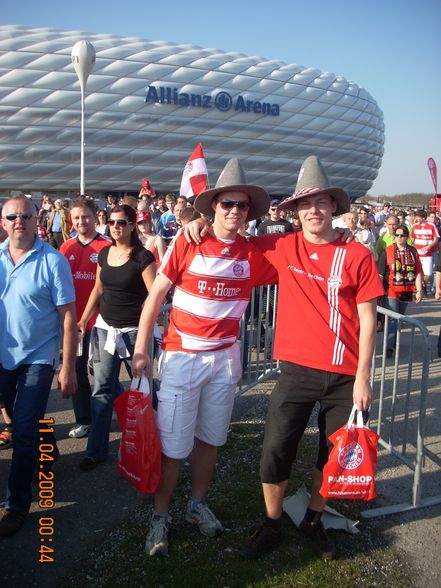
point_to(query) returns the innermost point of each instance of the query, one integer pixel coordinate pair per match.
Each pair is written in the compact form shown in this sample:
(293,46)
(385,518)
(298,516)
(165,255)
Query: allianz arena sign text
(223,101)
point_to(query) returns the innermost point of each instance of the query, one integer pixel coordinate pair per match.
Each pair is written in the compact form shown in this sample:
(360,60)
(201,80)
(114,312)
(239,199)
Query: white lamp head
(83,59)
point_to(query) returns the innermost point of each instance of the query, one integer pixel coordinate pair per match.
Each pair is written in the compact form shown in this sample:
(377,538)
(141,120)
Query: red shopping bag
(139,456)
(349,472)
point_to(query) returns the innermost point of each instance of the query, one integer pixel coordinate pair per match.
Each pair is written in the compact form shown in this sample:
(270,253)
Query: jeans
(397,306)
(106,388)
(81,400)
(25,392)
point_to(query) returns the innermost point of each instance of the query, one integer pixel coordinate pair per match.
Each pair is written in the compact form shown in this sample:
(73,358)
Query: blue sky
(392,48)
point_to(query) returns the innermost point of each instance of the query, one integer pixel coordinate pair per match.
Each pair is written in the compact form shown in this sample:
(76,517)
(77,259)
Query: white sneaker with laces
(204,518)
(156,543)
(79,431)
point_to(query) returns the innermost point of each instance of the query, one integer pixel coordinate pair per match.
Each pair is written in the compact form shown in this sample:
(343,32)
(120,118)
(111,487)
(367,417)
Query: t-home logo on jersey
(222,101)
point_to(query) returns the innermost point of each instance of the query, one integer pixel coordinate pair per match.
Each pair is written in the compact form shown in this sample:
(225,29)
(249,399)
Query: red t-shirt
(82,260)
(319,289)
(213,283)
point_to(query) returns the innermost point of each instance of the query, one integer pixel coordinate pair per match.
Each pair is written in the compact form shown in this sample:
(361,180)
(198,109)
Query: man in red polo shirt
(325,347)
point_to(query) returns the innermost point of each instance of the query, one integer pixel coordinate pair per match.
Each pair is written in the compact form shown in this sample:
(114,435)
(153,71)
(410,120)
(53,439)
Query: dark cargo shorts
(290,407)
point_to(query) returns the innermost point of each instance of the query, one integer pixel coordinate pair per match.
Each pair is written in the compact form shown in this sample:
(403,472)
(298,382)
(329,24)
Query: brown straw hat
(313,180)
(232,178)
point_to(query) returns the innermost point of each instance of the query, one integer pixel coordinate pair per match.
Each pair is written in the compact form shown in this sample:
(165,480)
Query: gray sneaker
(156,543)
(202,516)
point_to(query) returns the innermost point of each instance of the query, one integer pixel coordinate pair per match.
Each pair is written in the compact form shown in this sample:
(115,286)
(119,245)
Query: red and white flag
(432,168)
(194,178)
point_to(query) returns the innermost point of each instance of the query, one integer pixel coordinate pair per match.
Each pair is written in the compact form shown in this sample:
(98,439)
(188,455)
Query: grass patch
(235,496)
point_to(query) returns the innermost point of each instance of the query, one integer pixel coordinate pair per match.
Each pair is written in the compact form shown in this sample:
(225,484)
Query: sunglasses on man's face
(230,204)
(400,235)
(23,215)
(120,222)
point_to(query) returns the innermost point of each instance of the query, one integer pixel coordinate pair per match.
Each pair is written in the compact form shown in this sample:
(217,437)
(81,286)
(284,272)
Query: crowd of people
(91,282)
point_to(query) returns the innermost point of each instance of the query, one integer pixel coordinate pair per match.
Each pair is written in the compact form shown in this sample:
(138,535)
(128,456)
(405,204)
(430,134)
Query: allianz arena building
(149,103)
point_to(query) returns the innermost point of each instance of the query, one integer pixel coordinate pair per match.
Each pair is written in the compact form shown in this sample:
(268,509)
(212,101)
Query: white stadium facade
(149,103)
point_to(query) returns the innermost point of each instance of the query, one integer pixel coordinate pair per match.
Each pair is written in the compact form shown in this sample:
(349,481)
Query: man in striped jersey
(325,347)
(200,365)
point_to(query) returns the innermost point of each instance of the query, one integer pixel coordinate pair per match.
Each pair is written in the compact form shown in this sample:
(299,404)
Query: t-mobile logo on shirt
(219,289)
(84,276)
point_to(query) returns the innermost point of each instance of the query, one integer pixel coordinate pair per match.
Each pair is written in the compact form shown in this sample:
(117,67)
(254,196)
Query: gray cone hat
(232,178)
(313,180)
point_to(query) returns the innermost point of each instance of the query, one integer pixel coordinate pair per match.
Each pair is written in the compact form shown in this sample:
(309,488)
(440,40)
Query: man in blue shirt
(37,304)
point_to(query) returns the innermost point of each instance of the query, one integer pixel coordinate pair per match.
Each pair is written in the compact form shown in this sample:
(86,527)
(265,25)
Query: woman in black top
(125,274)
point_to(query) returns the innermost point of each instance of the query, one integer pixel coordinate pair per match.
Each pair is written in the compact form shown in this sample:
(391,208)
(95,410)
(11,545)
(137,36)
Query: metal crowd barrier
(400,387)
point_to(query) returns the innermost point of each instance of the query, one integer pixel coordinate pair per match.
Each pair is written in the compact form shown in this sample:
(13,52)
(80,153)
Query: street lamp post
(83,59)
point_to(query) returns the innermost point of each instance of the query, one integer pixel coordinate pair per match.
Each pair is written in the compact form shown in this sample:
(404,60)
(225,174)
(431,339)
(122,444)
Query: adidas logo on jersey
(314,256)
(225,251)
(72,257)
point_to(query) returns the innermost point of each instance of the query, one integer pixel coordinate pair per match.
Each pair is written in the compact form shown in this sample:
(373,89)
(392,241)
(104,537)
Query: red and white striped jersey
(319,289)
(423,234)
(213,283)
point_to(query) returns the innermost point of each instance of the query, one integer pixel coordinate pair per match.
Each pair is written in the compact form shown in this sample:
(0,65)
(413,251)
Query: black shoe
(263,540)
(89,463)
(11,521)
(324,545)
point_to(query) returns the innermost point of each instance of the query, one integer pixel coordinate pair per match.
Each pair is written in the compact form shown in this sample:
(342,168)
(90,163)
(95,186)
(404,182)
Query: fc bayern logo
(93,257)
(351,456)
(238,270)
(334,281)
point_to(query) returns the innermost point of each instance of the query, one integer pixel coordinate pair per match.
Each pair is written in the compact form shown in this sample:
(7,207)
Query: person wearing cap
(325,347)
(275,224)
(146,192)
(200,364)
(37,314)
(82,252)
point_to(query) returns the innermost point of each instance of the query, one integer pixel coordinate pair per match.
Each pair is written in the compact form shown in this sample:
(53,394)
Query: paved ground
(88,505)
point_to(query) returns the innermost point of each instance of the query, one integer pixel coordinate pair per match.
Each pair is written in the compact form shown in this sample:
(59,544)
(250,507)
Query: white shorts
(427,265)
(196,398)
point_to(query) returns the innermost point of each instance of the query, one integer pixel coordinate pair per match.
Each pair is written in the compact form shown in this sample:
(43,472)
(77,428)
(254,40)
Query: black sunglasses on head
(121,222)
(230,204)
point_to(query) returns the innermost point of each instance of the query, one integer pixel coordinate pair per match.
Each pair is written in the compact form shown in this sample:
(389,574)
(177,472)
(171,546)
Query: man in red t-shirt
(82,254)
(326,346)
(200,365)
